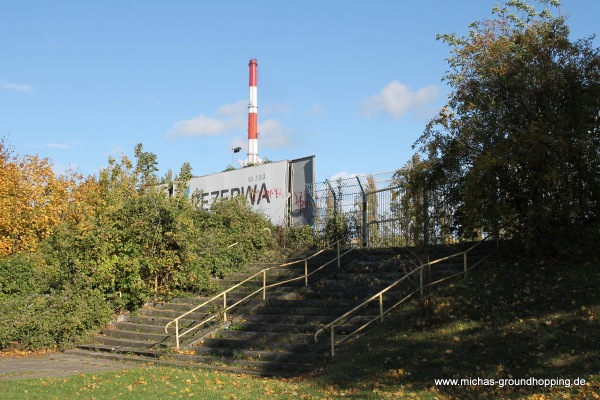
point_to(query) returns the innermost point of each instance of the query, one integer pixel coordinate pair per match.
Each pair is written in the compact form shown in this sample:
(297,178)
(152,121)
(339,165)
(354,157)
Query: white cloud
(316,110)
(273,134)
(343,175)
(235,110)
(277,108)
(198,126)
(234,118)
(16,87)
(61,146)
(230,117)
(397,99)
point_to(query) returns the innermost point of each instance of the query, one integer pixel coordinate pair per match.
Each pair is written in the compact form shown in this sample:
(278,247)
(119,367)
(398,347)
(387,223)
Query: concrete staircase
(272,337)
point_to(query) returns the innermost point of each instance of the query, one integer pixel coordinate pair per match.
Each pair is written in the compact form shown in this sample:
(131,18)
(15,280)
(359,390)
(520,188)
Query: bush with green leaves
(26,273)
(58,319)
(301,238)
(125,243)
(155,247)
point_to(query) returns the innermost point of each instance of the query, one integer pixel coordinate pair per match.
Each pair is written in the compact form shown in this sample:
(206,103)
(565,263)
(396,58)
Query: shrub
(151,246)
(25,273)
(56,320)
(301,238)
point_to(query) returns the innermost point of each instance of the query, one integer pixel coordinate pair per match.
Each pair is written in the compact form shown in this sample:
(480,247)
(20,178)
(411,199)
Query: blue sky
(351,82)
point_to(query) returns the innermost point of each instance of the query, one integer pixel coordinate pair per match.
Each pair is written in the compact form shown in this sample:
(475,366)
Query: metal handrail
(379,296)
(264,288)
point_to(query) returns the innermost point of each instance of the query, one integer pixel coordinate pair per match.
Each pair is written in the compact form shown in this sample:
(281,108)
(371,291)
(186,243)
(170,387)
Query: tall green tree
(517,147)
(145,168)
(372,210)
(408,202)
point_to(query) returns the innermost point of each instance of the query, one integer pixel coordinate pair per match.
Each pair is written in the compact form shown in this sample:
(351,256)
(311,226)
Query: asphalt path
(57,365)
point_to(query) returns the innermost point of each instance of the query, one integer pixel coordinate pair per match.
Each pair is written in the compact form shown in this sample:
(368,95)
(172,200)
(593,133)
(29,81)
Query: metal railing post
(177,334)
(338,253)
(306,272)
(381,306)
(465,262)
(224,306)
(264,284)
(332,342)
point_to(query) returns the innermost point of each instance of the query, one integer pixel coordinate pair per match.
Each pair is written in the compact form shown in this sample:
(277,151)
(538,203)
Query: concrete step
(183,307)
(85,349)
(313,303)
(159,321)
(308,311)
(136,327)
(271,327)
(171,314)
(273,338)
(133,335)
(356,295)
(115,343)
(287,319)
(366,277)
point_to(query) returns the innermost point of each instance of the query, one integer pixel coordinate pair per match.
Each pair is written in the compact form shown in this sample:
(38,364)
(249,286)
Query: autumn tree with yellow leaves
(32,200)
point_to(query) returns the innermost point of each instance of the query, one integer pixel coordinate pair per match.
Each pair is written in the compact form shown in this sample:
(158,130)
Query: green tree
(407,203)
(183,178)
(372,211)
(145,169)
(517,148)
(338,224)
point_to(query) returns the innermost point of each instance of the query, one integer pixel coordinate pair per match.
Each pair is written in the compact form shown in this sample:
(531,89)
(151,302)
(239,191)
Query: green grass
(508,320)
(505,320)
(156,383)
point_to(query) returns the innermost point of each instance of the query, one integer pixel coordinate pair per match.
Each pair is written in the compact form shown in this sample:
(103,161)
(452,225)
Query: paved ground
(56,365)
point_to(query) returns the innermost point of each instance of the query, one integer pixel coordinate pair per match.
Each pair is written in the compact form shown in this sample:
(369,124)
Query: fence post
(364,214)
(421,279)
(332,342)
(381,307)
(338,253)
(305,272)
(465,261)
(425,218)
(225,306)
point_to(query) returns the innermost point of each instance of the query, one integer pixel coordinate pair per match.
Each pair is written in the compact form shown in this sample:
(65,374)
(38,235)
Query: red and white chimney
(253,116)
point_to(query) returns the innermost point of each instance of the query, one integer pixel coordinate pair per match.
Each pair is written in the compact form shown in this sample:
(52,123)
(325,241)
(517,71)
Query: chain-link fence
(379,210)
(339,205)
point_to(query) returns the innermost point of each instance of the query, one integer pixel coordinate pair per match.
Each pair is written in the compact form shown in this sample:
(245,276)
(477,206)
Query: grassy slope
(506,320)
